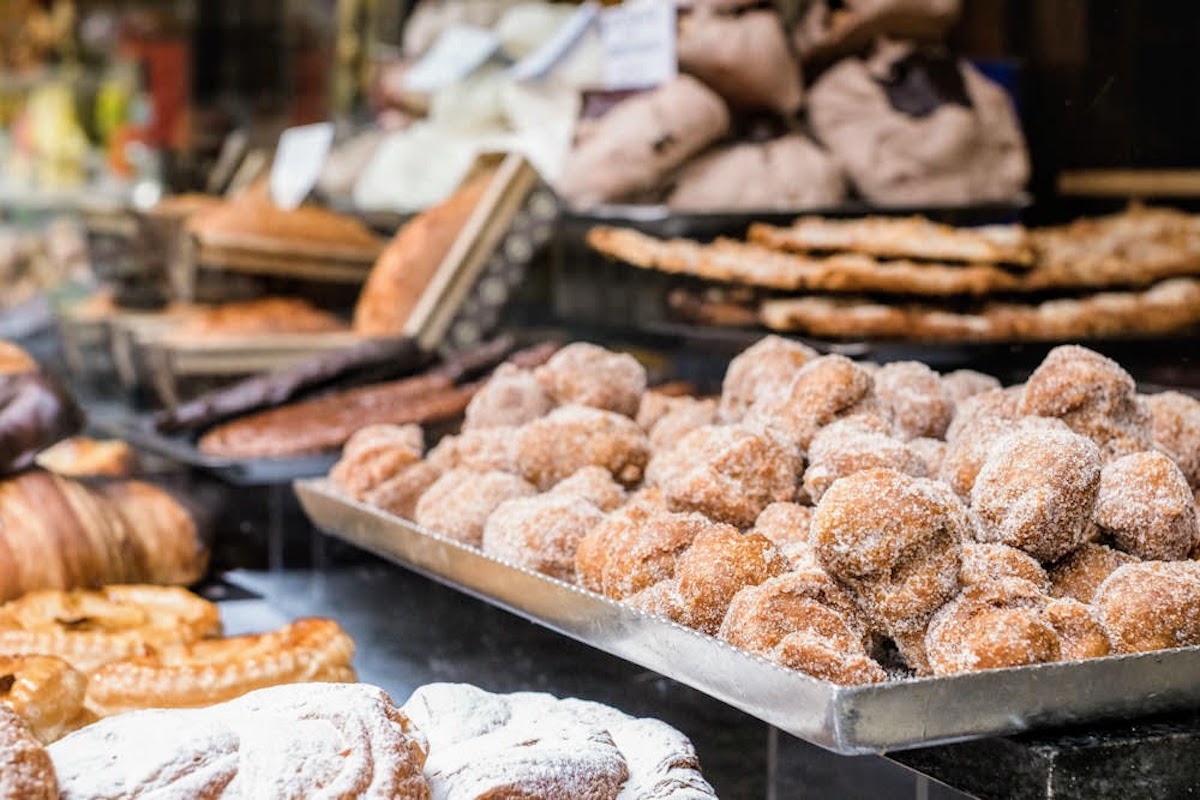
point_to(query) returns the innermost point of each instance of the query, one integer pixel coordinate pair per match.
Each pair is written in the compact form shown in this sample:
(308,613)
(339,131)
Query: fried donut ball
(895,542)
(685,415)
(1146,507)
(400,493)
(767,367)
(480,450)
(594,484)
(966,454)
(1080,574)
(512,396)
(993,404)
(812,655)
(1080,634)
(914,398)
(1151,605)
(1176,424)
(662,599)
(458,504)
(635,548)
(572,437)
(1036,491)
(720,563)
(990,626)
(806,600)
(587,375)
(825,389)
(730,473)
(1093,395)
(374,454)
(851,445)
(541,532)
(965,383)
(787,525)
(983,563)
(931,451)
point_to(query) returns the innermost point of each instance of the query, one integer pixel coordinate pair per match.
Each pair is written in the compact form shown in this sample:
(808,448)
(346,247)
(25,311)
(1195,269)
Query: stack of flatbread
(1137,272)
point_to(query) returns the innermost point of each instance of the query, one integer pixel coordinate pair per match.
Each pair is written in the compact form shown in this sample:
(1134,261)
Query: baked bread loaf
(318,740)
(26,771)
(407,266)
(56,533)
(267,315)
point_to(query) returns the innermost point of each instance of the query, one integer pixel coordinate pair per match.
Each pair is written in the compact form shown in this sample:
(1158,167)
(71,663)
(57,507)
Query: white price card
(639,44)
(298,161)
(535,65)
(459,51)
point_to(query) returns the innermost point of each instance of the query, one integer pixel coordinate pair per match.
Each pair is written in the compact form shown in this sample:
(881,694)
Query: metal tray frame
(851,720)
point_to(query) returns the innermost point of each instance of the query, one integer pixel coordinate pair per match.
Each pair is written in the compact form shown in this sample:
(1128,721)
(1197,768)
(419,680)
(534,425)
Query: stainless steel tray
(846,719)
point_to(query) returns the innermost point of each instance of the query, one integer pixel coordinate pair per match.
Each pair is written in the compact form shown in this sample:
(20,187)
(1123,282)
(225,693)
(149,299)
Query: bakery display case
(626,400)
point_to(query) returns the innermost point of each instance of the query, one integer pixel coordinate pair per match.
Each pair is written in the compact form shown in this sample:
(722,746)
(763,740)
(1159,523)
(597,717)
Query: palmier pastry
(46,692)
(89,628)
(214,670)
(1036,491)
(572,437)
(895,542)
(1152,605)
(730,473)
(1146,506)
(588,375)
(316,739)
(1094,396)
(26,771)
(1176,423)
(766,367)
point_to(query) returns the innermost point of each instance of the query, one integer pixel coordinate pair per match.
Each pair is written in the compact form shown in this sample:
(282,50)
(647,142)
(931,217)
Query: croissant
(57,533)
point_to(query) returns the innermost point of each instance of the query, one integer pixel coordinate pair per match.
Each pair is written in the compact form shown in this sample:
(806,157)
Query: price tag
(539,62)
(298,161)
(639,44)
(458,52)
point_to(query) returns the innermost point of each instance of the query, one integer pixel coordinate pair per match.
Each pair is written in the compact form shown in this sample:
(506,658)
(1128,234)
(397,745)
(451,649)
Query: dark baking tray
(139,431)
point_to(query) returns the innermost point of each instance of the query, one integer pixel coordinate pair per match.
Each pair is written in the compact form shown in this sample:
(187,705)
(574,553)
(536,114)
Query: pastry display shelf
(876,718)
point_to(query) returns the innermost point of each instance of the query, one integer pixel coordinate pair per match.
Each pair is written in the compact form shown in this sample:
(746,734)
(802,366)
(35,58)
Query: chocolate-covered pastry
(34,413)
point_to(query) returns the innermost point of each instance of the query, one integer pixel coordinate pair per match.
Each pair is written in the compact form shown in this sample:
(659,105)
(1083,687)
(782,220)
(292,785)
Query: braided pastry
(192,675)
(89,628)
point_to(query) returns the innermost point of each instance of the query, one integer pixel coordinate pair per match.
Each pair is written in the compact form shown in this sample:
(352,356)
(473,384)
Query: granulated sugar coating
(727,472)
(458,504)
(1093,395)
(895,542)
(1080,574)
(931,451)
(588,375)
(852,445)
(572,437)
(374,454)
(719,564)
(1152,605)
(983,563)
(512,396)
(1080,634)
(811,654)
(541,533)
(823,390)
(1146,507)
(1176,423)
(481,450)
(1036,491)
(400,493)
(594,484)
(805,600)
(965,383)
(998,404)
(685,415)
(914,399)
(767,367)
(965,456)
(990,625)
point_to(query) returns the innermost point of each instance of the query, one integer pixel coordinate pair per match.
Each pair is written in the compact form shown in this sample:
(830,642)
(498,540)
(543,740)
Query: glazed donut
(215,670)
(46,692)
(26,771)
(88,628)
